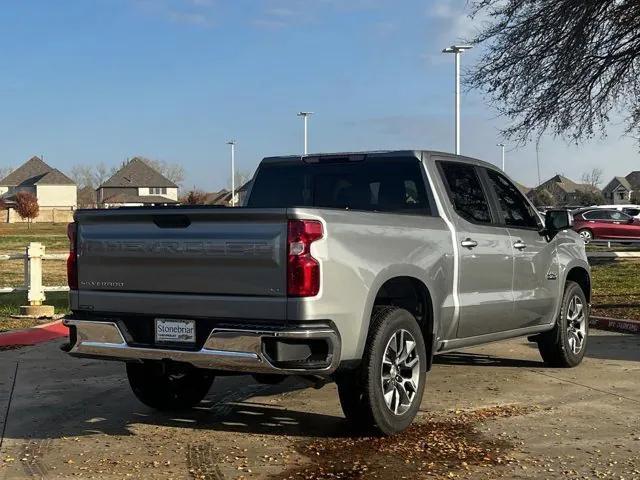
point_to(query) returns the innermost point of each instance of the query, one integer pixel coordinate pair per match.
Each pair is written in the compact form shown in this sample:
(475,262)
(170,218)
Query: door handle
(520,245)
(468,243)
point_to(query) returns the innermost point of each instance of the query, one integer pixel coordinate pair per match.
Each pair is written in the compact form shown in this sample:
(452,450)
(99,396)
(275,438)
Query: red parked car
(605,224)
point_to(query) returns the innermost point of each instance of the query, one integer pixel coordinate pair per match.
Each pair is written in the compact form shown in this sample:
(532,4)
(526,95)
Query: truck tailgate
(205,251)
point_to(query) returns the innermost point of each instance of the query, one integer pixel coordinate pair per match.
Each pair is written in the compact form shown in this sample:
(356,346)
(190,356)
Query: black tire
(361,390)
(168,387)
(555,346)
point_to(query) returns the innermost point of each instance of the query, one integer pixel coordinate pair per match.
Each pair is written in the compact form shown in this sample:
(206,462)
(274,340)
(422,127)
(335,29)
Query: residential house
(137,184)
(623,190)
(87,197)
(524,190)
(240,195)
(563,190)
(213,198)
(56,193)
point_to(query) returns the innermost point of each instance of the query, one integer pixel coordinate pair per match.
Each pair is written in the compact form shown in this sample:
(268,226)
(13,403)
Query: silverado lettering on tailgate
(210,248)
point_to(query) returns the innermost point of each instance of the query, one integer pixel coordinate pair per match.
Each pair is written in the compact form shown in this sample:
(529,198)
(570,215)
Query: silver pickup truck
(356,267)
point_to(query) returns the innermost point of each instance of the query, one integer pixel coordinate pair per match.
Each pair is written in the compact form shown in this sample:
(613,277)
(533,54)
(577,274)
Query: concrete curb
(619,325)
(613,254)
(35,335)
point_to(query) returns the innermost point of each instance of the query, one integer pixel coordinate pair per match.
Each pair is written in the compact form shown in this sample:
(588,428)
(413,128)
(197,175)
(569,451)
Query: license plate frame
(174,330)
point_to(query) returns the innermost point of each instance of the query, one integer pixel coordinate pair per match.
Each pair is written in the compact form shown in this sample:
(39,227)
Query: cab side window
(515,210)
(465,192)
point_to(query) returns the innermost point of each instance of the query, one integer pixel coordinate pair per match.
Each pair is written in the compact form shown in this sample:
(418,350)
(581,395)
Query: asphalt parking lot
(488,412)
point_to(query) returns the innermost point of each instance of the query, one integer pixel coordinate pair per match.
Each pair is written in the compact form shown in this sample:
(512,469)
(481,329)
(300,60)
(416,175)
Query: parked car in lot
(605,224)
(355,267)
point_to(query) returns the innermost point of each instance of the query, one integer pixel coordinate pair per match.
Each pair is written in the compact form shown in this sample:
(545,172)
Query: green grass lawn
(616,289)
(14,237)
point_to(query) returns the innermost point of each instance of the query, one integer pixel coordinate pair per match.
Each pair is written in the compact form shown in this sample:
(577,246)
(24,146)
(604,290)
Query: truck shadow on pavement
(600,346)
(229,407)
(478,359)
(604,346)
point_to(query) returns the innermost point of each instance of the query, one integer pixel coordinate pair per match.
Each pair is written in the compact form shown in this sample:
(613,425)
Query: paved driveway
(488,412)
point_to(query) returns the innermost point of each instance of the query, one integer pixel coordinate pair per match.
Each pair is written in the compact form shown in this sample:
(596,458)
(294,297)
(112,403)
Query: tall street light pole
(232,143)
(305,116)
(457,50)
(501,145)
(538,157)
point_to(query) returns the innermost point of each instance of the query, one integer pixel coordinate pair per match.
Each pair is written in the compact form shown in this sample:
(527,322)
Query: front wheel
(565,345)
(385,392)
(168,387)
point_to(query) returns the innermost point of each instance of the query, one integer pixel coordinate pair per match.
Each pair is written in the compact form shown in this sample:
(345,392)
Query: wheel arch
(412,294)
(581,276)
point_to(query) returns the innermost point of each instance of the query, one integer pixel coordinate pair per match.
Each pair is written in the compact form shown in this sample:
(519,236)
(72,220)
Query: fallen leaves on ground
(433,447)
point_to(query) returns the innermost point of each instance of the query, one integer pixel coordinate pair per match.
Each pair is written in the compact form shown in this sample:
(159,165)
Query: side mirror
(557,220)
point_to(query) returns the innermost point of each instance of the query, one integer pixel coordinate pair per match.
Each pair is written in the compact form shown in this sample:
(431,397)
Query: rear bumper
(234,350)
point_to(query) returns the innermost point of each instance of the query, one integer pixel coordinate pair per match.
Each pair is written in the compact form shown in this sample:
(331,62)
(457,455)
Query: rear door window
(387,185)
(465,192)
(619,216)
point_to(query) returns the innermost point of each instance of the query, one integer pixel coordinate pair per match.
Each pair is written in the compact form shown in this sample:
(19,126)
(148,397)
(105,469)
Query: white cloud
(284,13)
(191,12)
(450,22)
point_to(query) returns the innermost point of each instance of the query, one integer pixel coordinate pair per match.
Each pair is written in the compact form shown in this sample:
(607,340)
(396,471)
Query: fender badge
(552,276)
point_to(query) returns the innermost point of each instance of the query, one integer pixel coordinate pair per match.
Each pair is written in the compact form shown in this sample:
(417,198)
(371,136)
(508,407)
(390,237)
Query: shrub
(27,206)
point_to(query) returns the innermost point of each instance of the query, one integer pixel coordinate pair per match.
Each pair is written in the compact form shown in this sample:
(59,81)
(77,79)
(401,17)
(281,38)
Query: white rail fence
(33,257)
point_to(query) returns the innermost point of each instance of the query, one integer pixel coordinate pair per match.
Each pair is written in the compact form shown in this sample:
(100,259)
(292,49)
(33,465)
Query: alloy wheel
(400,374)
(586,235)
(576,324)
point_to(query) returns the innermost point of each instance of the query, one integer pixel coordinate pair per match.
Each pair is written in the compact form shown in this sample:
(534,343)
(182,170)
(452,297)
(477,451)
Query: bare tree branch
(560,66)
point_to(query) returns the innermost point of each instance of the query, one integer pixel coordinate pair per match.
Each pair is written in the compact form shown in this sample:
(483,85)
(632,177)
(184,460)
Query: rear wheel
(586,234)
(168,386)
(385,392)
(565,345)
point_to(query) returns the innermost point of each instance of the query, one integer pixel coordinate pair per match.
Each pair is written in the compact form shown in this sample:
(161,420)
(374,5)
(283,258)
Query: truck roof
(374,154)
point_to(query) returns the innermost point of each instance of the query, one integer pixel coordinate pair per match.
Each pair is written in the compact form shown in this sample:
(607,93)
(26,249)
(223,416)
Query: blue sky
(86,81)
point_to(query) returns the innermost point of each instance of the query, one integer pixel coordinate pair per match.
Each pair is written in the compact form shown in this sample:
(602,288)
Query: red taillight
(303,271)
(72,260)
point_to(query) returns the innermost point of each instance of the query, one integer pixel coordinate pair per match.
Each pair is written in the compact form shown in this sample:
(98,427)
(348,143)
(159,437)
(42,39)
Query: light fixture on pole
(232,143)
(457,50)
(501,145)
(305,116)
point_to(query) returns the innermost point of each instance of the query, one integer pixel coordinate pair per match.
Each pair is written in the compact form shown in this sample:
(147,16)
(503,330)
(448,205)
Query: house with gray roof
(224,196)
(54,190)
(623,190)
(137,184)
(563,190)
